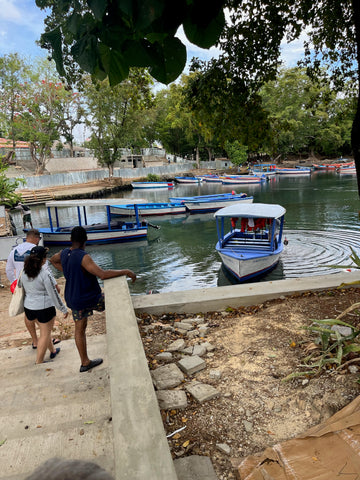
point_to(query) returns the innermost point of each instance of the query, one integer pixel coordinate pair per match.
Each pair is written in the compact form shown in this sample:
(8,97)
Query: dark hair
(33,264)
(78,235)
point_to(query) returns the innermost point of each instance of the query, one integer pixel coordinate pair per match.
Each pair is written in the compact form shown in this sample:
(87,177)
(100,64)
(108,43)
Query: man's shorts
(27,218)
(86,312)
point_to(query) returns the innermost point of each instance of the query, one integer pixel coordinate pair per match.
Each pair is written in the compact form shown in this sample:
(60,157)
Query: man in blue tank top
(82,290)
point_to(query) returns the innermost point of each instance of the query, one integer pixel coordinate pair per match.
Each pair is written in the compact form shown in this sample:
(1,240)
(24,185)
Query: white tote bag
(17,300)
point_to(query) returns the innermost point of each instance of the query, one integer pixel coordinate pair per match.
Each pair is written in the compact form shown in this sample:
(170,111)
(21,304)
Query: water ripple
(310,252)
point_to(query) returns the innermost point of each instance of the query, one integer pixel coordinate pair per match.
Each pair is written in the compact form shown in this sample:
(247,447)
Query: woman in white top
(41,298)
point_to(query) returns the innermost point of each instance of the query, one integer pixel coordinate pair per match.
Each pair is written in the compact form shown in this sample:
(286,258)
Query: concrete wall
(78,177)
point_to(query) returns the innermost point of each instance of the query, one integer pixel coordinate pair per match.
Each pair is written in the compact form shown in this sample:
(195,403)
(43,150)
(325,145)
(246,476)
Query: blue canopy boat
(111,231)
(254,243)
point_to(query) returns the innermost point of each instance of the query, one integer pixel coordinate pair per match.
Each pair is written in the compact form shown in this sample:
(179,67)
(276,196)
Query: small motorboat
(152,185)
(250,238)
(211,203)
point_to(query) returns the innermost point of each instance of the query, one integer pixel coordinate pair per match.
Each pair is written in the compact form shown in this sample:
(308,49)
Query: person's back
(82,288)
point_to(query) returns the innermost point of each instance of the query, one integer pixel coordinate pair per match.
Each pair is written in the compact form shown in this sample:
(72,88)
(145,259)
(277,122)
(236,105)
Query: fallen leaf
(89,422)
(184,419)
(2,442)
(185,444)
(176,436)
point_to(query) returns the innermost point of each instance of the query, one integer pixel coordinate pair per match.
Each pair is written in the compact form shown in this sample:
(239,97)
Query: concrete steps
(54,410)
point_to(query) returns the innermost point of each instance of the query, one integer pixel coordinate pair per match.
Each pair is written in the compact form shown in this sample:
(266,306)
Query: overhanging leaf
(98,8)
(54,39)
(168,60)
(205,36)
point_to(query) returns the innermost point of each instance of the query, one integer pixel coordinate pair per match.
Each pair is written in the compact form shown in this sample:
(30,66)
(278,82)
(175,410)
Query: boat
(267,169)
(211,203)
(148,209)
(294,171)
(188,179)
(242,179)
(347,169)
(152,184)
(254,243)
(111,231)
(211,179)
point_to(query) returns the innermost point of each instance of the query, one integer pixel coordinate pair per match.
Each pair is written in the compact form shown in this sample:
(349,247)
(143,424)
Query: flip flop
(33,346)
(55,341)
(53,354)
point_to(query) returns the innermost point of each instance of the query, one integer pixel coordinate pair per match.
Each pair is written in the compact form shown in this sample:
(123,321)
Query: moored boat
(253,245)
(188,179)
(152,184)
(294,171)
(211,179)
(267,169)
(148,209)
(242,179)
(111,231)
(211,203)
(347,169)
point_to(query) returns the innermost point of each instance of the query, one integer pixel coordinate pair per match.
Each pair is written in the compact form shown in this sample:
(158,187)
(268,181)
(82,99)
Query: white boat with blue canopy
(211,203)
(110,231)
(250,238)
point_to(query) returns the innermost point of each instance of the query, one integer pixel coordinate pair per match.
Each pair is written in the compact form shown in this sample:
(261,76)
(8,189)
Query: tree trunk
(209,153)
(355,131)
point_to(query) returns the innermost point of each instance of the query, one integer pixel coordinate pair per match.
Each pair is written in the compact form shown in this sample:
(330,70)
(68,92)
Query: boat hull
(94,237)
(247,268)
(187,180)
(243,180)
(149,210)
(152,185)
(204,207)
(293,171)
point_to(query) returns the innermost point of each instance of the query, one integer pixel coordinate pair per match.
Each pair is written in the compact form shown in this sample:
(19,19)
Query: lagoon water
(321,225)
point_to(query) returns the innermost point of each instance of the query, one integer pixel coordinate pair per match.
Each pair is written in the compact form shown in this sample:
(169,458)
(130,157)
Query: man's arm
(55,260)
(90,266)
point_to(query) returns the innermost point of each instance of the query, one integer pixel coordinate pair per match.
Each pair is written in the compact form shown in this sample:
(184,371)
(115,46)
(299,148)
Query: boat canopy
(252,210)
(93,202)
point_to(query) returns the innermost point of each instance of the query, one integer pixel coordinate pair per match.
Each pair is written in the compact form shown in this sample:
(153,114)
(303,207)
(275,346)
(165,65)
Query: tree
(72,114)
(116,115)
(38,118)
(106,38)
(306,115)
(103,37)
(14,74)
(237,153)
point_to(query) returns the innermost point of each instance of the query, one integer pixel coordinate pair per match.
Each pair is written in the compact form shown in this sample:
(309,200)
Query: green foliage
(151,177)
(8,197)
(330,349)
(237,153)
(116,115)
(107,38)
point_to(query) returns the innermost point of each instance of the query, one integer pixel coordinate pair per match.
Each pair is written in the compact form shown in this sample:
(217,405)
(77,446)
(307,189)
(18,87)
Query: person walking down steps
(26,213)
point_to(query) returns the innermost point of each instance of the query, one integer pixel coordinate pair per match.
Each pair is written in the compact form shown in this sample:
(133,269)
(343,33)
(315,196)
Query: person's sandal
(53,354)
(92,364)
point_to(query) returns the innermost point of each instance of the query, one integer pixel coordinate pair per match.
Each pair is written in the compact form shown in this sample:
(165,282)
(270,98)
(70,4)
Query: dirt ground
(255,349)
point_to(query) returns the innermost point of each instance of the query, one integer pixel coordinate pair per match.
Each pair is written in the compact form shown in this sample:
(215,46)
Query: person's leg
(80,340)
(44,340)
(30,325)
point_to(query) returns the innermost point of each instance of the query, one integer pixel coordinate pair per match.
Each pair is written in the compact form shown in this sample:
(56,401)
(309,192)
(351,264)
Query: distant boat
(148,209)
(211,178)
(242,179)
(294,171)
(111,231)
(152,184)
(211,203)
(347,169)
(188,179)
(253,245)
(268,169)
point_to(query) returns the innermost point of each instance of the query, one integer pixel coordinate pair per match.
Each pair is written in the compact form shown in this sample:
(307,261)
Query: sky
(21,24)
